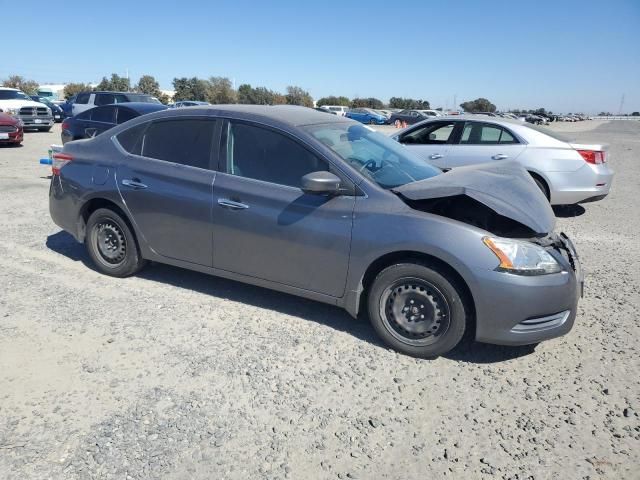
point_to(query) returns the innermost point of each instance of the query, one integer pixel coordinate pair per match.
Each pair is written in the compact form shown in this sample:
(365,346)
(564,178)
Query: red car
(10,130)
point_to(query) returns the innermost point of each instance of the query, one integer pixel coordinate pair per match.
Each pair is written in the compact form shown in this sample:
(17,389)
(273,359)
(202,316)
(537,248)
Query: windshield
(44,100)
(13,95)
(142,98)
(376,156)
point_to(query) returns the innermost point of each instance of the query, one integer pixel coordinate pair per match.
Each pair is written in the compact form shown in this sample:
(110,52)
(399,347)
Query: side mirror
(320,183)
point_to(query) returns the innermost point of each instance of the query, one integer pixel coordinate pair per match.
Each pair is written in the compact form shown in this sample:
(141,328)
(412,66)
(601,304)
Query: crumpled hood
(504,187)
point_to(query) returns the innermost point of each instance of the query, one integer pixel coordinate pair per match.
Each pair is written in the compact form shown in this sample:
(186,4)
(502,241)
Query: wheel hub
(416,311)
(111,242)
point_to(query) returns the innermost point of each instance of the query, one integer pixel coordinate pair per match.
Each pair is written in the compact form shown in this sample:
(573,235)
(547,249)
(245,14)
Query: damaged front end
(500,198)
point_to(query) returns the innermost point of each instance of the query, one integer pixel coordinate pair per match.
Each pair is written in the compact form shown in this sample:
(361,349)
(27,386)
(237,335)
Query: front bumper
(12,137)
(36,121)
(520,310)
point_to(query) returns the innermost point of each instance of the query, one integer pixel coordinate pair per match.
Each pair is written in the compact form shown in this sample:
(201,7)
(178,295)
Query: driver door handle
(500,156)
(135,184)
(226,203)
(435,156)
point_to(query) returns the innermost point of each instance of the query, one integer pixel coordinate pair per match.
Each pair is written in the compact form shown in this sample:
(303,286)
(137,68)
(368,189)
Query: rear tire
(542,186)
(372,121)
(417,309)
(112,245)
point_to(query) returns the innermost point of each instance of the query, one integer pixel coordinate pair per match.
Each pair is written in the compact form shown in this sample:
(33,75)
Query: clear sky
(564,55)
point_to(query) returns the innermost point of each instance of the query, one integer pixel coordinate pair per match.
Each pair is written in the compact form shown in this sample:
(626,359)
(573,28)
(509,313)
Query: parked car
(337,109)
(323,207)
(86,100)
(566,172)
(67,106)
(366,115)
(189,103)
(100,119)
(56,111)
(410,117)
(324,110)
(34,115)
(11,131)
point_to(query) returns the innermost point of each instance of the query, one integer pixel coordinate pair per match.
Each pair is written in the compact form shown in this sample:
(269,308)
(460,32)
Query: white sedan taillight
(595,157)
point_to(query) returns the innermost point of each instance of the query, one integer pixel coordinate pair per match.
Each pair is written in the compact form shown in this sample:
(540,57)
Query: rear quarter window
(131,139)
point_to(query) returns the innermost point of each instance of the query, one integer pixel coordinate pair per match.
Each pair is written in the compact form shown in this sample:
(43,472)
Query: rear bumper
(588,183)
(517,310)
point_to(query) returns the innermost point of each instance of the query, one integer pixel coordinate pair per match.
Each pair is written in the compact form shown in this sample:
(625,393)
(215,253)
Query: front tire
(112,245)
(417,309)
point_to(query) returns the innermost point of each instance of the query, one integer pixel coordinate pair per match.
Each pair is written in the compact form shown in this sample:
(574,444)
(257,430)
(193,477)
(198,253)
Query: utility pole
(621,105)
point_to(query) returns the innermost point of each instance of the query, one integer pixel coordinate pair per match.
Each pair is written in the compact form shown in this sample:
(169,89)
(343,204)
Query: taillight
(595,157)
(59,161)
(65,126)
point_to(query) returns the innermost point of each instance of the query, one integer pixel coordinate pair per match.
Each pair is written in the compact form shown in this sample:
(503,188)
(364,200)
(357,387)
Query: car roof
(141,107)
(287,114)
(109,91)
(476,118)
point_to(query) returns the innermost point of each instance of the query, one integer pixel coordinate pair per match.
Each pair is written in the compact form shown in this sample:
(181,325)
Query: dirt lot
(178,375)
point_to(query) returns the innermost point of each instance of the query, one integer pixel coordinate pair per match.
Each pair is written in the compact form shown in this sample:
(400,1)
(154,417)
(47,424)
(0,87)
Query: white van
(337,109)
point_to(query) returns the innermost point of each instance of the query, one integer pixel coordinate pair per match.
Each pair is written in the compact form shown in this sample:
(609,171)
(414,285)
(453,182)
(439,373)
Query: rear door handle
(500,156)
(435,156)
(226,203)
(135,184)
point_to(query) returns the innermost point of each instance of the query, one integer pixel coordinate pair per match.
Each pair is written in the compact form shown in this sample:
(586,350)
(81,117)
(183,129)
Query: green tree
(190,89)
(115,84)
(366,103)
(30,87)
(220,90)
(333,100)
(398,102)
(149,85)
(298,96)
(71,89)
(478,105)
(259,96)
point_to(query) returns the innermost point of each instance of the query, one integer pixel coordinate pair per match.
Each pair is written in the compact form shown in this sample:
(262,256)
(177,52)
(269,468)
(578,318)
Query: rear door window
(476,133)
(103,114)
(186,141)
(104,99)
(124,115)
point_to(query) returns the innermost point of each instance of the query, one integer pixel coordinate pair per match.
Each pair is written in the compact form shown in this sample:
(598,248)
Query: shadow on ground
(568,211)
(334,317)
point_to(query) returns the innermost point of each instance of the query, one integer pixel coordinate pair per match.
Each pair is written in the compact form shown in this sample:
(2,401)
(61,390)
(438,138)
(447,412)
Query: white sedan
(566,172)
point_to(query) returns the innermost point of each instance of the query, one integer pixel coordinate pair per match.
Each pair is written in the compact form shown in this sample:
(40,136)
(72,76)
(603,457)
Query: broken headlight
(522,257)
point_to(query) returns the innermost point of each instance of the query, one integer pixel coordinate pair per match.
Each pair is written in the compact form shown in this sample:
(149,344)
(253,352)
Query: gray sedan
(320,206)
(566,172)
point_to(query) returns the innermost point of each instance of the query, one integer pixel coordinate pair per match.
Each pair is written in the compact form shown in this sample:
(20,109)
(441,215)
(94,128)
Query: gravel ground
(178,375)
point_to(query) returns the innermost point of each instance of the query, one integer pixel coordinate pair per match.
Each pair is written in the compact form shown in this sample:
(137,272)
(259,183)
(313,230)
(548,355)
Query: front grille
(8,128)
(34,112)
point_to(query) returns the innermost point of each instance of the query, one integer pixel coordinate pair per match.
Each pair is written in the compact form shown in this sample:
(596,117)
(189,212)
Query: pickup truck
(34,115)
